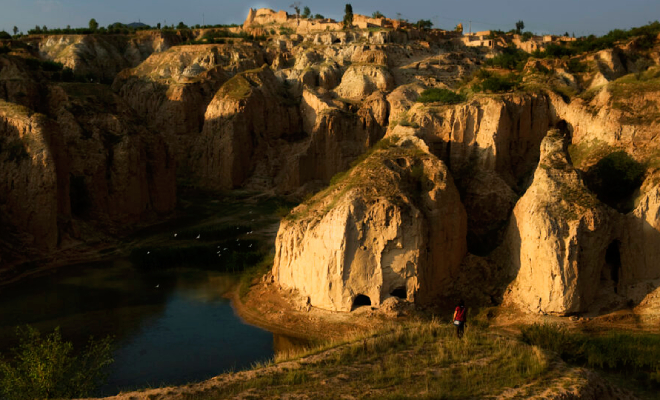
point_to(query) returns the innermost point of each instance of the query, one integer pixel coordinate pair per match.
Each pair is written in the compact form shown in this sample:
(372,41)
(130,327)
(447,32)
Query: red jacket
(461,314)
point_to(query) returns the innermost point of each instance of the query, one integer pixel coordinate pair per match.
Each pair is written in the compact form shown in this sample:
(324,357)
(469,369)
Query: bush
(497,84)
(444,96)
(511,58)
(554,51)
(646,38)
(575,66)
(615,178)
(46,367)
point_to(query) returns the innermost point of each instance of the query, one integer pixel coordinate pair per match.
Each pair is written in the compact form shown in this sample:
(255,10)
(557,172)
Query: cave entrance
(400,292)
(361,300)
(610,272)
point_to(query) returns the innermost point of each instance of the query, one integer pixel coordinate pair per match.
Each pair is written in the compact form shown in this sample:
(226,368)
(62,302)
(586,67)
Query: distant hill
(136,25)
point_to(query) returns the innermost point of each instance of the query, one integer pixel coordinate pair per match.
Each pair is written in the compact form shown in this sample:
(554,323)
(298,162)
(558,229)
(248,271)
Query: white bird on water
(148,252)
(175,235)
(157,286)
(198,236)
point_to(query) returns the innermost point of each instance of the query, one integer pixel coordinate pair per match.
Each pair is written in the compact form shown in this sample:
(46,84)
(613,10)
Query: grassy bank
(399,361)
(632,359)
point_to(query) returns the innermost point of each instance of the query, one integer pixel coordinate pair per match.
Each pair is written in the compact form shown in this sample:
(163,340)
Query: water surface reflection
(170,327)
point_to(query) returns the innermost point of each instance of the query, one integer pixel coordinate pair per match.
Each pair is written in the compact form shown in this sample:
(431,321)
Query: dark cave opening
(361,300)
(400,292)
(610,271)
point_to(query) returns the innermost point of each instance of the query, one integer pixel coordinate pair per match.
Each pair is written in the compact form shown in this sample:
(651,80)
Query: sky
(582,17)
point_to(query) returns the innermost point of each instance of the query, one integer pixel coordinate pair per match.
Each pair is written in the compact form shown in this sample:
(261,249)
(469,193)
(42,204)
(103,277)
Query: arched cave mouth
(609,275)
(361,300)
(400,292)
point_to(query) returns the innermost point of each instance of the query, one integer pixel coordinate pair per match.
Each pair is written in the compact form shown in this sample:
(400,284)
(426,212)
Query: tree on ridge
(348,16)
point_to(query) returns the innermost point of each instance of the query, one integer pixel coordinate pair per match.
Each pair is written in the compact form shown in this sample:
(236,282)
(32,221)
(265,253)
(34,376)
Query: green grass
(498,84)
(444,96)
(342,181)
(420,359)
(253,273)
(585,152)
(633,356)
(237,87)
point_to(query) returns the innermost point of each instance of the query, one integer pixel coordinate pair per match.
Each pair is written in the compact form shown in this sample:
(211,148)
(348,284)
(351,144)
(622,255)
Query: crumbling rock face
(488,201)
(103,56)
(247,114)
(498,134)
(393,226)
(19,85)
(640,246)
(338,134)
(360,81)
(28,177)
(119,172)
(557,237)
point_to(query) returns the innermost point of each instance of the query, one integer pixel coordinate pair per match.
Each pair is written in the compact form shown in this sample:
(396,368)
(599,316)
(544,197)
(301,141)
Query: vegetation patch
(252,274)
(615,178)
(47,367)
(343,181)
(636,356)
(585,152)
(444,96)
(497,84)
(511,58)
(411,360)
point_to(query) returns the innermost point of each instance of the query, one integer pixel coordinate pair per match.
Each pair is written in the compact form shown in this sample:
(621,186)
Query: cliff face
(393,226)
(500,134)
(119,172)
(249,112)
(83,167)
(171,90)
(27,171)
(101,57)
(640,246)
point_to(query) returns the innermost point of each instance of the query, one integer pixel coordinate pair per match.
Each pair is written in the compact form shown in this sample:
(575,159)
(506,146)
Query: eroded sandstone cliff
(392,226)
(557,238)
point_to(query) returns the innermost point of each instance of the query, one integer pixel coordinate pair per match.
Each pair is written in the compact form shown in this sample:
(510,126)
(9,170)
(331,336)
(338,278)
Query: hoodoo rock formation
(392,226)
(558,236)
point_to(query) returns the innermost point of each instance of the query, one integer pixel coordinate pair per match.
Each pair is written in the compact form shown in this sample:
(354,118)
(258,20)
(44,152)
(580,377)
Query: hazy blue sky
(581,17)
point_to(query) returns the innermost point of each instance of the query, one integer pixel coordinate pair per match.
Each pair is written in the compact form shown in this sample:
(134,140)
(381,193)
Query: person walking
(460,318)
